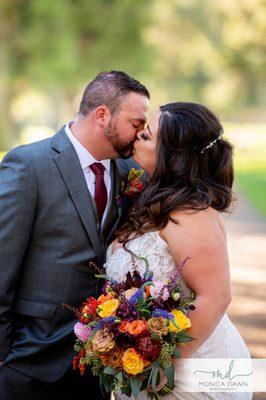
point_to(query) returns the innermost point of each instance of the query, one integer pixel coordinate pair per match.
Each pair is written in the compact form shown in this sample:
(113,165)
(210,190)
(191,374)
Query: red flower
(88,309)
(148,348)
(134,187)
(76,359)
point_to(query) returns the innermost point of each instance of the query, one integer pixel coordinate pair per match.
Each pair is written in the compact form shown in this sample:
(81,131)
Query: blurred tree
(210,51)
(199,50)
(58,46)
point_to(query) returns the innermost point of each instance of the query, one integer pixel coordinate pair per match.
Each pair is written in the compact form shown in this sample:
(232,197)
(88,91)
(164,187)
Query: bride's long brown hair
(186,176)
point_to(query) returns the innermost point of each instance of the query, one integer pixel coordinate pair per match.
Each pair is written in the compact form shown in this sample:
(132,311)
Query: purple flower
(126,310)
(158,312)
(82,331)
(104,321)
(136,296)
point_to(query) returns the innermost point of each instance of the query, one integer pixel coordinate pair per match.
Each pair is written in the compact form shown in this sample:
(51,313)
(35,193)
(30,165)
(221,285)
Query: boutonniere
(131,186)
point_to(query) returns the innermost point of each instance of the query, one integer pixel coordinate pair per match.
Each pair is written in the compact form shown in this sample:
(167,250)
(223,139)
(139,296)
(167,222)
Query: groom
(58,210)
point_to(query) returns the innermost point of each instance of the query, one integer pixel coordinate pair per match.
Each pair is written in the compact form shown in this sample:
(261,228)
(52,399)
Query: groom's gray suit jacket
(48,236)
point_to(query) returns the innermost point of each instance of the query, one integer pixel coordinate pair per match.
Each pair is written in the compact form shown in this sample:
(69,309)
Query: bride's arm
(201,237)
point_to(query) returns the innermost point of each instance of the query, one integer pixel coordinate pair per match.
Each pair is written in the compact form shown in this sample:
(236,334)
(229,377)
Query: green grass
(252,181)
(250,162)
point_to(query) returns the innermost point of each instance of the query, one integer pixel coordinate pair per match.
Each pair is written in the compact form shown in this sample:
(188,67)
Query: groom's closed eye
(138,124)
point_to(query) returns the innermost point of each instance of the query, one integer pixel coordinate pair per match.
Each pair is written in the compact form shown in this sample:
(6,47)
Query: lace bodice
(224,342)
(151,246)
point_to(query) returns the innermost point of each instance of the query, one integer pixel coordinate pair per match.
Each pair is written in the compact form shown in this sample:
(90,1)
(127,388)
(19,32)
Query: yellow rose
(181,320)
(132,362)
(108,308)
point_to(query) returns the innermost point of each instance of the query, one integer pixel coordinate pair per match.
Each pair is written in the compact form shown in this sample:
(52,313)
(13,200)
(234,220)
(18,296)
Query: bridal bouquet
(129,335)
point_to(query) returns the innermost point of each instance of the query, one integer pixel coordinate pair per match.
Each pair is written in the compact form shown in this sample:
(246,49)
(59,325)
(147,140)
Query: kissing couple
(60,210)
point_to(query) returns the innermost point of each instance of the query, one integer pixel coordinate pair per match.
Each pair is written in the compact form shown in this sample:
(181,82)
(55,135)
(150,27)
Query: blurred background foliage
(207,51)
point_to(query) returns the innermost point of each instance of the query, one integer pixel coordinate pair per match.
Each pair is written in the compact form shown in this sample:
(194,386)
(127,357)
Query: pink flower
(82,331)
(156,289)
(165,294)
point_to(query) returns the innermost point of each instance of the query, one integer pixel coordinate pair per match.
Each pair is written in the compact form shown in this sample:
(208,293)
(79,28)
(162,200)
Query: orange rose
(136,327)
(123,327)
(105,297)
(148,290)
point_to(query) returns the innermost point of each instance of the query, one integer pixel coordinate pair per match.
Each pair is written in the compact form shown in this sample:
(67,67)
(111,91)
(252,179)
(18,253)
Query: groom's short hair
(110,89)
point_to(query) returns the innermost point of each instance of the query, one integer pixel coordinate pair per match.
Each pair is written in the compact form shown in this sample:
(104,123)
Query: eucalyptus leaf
(176,352)
(154,366)
(127,390)
(170,372)
(155,370)
(156,337)
(110,371)
(184,337)
(135,384)
(105,384)
(119,377)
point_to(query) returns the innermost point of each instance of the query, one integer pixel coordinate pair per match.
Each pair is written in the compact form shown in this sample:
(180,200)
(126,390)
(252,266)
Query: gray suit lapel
(69,166)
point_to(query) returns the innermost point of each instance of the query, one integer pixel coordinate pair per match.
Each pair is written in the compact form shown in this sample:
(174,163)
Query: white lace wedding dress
(225,341)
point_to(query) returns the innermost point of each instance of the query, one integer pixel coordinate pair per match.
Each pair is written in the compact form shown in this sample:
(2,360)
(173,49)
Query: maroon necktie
(100,192)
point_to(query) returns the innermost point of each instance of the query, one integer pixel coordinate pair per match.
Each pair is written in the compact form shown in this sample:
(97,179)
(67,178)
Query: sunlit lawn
(250,161)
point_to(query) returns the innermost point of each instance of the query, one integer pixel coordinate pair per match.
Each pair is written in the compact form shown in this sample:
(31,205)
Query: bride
(178,215)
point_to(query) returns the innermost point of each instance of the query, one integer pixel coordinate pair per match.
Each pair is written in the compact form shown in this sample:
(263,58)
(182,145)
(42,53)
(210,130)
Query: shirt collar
(85,157)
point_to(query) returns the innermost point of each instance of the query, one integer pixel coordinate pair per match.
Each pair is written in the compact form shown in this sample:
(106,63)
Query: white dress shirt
(86,159)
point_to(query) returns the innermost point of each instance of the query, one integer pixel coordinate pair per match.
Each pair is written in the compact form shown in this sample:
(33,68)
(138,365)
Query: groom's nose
(138,136)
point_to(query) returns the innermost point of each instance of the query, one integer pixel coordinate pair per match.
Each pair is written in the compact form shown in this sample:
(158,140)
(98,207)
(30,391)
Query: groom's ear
(102,116)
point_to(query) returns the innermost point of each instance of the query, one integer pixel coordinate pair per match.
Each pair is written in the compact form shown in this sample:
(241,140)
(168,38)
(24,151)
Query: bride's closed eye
(144,136)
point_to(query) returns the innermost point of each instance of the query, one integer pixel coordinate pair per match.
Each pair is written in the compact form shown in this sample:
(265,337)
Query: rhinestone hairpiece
(211,144)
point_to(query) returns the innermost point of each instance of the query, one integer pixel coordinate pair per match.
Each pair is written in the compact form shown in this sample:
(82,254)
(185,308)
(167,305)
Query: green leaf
(176,352)
(149,283)
(127,390)
(184,337)
(170,372)
(154,378)
(105,384)
(155,370)
(119,377)
(156,337)
(135,386)
(150,376)
(110,371)
(100,276)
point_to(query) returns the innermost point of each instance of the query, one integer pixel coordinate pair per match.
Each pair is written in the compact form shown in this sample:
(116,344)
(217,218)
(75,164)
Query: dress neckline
(157,232)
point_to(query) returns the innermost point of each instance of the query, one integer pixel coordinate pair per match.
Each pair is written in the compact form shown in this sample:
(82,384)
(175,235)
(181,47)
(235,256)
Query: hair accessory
(211,144)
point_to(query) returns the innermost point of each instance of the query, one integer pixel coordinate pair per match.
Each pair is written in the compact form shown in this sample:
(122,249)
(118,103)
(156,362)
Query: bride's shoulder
(194,222)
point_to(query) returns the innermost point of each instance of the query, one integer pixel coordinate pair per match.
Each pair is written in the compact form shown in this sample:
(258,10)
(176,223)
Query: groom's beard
(124,150)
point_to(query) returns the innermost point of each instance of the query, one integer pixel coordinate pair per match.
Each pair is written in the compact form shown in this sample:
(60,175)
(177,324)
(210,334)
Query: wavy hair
(187,175)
